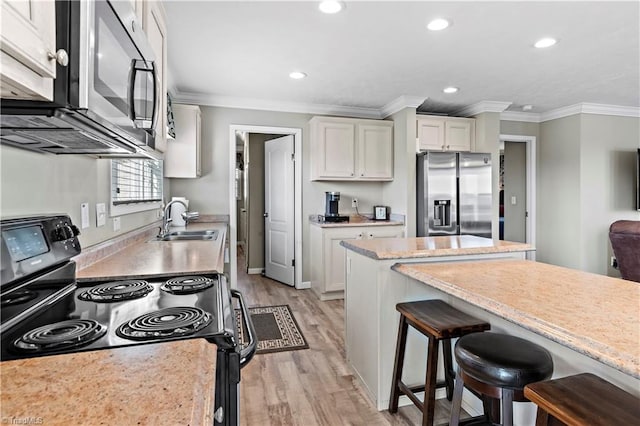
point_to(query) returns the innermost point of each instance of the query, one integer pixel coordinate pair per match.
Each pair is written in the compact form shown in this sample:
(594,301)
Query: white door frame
(233,225)
(530,231)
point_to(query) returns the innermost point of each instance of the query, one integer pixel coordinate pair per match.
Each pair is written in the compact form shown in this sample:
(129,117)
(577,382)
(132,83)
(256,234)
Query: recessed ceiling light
(330,6)
(545,42)
(297,75)
(450,89)
(438,24)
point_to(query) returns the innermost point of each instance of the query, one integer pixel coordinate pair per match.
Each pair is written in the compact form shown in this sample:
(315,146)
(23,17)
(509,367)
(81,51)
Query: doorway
(243,211)
(518,189)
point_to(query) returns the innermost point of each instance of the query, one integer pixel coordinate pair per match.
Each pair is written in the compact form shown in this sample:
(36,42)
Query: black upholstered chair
(625,241)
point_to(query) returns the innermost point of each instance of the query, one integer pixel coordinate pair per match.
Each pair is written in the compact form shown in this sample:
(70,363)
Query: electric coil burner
(169,322)
(187,285)
(61,335)
(46,312)
(117,291)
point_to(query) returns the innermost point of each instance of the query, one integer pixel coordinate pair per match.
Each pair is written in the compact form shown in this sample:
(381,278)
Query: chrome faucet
(166,220)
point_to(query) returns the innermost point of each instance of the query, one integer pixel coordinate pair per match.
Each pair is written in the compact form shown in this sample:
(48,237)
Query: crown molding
(270,105)
(484,106)
(529,117)
(581,108)
(299,107)
(400,103)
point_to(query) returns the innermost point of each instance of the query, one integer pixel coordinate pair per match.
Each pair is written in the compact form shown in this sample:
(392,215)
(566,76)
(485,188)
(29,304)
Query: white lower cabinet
(328,267)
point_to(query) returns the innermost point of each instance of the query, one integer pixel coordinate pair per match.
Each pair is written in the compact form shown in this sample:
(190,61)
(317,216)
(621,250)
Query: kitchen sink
(204,235)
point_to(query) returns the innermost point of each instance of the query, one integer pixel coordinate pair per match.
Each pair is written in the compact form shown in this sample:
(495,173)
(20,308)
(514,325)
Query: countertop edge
(418,254)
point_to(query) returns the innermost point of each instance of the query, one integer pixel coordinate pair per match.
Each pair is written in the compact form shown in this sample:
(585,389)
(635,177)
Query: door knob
(266,215)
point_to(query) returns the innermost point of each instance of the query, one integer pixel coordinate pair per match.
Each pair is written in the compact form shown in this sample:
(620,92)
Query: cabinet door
(430,134)
(335,275)
(27,37)
(182,157)
(458,135)
(375,154)
(155,28)
(385,232)
(336,150)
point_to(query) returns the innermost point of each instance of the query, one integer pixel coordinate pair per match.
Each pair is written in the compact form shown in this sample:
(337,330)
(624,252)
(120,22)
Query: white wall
(400,194)
(209,194)
(608,151)
(37,183)
(586,169)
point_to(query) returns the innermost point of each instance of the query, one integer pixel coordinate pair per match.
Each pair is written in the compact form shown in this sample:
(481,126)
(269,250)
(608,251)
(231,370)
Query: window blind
(136,181)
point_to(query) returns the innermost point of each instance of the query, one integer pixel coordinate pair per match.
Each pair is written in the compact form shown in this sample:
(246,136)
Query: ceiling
(370,54)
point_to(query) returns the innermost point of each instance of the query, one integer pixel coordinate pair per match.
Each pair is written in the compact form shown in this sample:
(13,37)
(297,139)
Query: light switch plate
(513,200)
(116,223)
(84,214)
(101,214)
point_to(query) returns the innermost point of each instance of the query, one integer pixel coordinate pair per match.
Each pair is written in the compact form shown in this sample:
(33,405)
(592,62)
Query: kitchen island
(153,384)
(371,320)
(589,323)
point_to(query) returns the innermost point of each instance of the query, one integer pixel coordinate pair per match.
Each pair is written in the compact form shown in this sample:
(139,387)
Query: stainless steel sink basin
(204,235)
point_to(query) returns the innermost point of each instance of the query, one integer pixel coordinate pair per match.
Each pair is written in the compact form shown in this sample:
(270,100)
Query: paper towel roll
(176,211)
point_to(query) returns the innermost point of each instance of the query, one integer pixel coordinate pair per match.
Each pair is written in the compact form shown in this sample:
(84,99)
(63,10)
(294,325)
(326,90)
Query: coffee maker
(331,208)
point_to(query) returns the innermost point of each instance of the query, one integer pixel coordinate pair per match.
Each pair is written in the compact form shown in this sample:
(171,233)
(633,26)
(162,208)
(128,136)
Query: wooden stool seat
(583,399)
(436,320)
(497,366)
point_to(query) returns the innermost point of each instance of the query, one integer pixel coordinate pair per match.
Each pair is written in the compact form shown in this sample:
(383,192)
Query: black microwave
(106,98)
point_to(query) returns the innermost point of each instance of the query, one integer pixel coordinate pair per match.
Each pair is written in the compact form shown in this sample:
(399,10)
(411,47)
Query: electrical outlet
(614,262)
(116,223)
(354,202)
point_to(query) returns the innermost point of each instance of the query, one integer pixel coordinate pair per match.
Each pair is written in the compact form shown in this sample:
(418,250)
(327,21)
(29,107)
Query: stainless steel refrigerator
(453,194)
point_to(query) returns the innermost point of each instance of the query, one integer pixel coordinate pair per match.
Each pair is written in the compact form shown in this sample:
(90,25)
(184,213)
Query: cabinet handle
(370,235)
(60,56)
(361,174)
(351,174)
(443,147)
(448,146)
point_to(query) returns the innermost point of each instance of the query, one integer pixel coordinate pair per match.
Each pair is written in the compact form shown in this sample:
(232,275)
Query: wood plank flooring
(311,386)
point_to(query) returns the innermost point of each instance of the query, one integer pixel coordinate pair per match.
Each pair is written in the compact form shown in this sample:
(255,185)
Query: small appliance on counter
(331,208)
(381,213)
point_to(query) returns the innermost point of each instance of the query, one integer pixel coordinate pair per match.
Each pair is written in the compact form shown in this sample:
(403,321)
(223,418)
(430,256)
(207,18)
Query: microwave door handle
(156,97)
(132,85)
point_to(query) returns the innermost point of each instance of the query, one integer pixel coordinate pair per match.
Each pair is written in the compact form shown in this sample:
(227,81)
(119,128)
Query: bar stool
(497,366)
(438,321)
(583,399)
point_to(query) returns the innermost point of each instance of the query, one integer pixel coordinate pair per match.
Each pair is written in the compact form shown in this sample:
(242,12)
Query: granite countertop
(162,258)
(409,248)
(595,315)
(354,220)
(169,383)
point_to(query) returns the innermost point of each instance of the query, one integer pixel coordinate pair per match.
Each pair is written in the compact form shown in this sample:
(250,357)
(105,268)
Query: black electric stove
(45,311)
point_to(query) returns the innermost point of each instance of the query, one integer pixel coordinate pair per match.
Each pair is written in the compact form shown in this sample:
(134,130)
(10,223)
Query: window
(136,185)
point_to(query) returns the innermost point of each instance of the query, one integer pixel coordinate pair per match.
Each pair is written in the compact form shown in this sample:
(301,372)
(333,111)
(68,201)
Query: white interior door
(279,209)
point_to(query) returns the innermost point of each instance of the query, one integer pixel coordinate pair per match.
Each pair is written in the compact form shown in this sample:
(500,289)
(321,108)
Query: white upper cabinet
(351,149)
(155,28)
(437,133)
(28,54)
(182,157)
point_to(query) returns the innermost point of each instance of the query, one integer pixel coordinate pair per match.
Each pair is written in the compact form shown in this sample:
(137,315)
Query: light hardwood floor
(311,386)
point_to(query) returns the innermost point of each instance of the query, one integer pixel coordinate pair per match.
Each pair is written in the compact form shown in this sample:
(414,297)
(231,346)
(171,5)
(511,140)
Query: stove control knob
(66,232)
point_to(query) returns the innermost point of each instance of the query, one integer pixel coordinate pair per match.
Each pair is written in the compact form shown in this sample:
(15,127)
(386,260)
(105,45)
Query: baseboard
(255,271)
(304,285)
